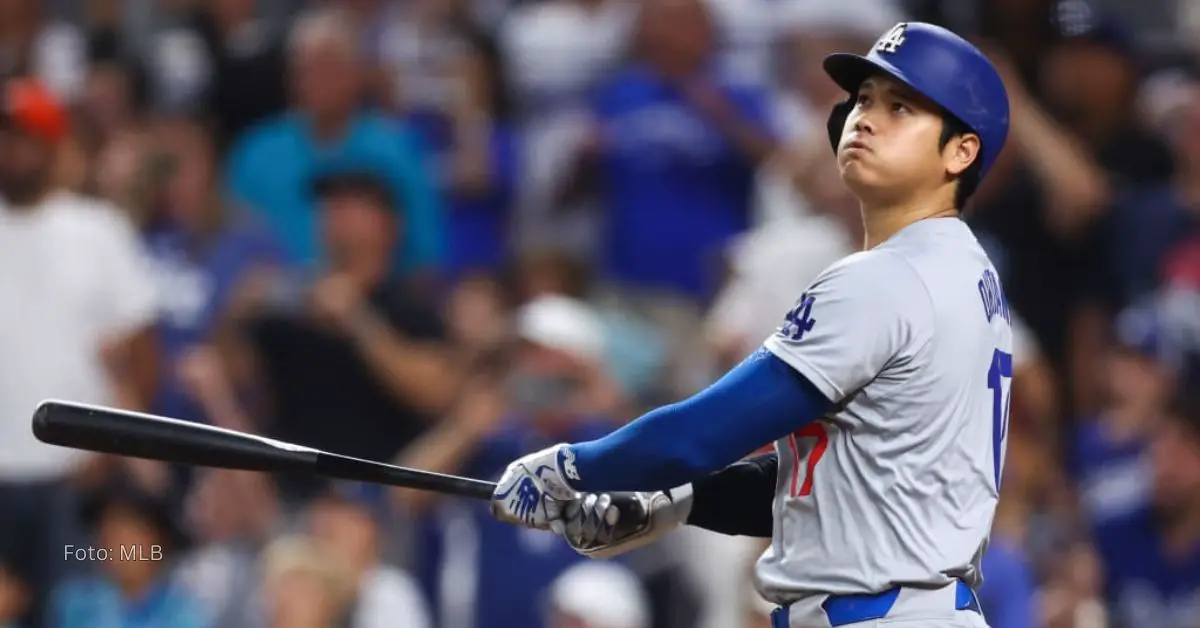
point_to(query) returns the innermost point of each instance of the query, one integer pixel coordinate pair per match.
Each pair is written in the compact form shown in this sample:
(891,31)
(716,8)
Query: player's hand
(597,527)
(532,488)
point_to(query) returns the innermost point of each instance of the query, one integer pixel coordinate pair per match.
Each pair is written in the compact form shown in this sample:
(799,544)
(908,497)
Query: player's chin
(856,173)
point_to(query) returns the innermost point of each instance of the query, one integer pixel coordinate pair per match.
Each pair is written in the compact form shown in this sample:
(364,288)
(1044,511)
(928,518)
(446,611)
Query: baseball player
(885,390)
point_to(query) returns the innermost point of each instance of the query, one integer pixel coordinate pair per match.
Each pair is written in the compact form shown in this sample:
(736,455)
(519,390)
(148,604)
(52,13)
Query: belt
(842,610)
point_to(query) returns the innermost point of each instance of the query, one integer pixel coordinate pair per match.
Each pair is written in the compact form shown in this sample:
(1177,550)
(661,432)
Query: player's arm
(758,401)
(854,321)
(849,326)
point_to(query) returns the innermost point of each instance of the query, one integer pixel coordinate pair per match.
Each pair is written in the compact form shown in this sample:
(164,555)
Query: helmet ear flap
(837,121)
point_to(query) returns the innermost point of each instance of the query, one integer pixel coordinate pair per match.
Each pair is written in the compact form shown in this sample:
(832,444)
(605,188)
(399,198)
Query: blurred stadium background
(448,232)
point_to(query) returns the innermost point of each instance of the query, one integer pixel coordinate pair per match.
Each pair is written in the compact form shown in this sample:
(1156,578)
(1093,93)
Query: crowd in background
(445,233)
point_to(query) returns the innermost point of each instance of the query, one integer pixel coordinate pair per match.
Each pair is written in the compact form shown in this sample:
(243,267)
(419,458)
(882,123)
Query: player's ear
(960,153)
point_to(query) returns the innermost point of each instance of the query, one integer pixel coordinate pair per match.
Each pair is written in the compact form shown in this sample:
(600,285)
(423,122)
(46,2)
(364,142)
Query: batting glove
(532,489)
(602,526)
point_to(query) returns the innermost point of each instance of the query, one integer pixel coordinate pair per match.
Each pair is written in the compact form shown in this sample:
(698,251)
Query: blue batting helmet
(939,65)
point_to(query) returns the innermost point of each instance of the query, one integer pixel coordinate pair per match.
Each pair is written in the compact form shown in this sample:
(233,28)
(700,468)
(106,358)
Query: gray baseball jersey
(899,484)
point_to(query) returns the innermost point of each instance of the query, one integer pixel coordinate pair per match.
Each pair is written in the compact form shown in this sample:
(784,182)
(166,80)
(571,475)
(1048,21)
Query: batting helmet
(939,65)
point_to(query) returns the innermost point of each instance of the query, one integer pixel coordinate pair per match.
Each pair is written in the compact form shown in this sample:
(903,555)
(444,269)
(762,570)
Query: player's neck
(882,221)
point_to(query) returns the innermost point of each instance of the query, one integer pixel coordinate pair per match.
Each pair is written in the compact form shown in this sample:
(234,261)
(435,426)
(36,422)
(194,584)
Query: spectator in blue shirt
(135,587)
(477,571)
(200,250)
(674,153)
(478,159)
(1152,557)
(1109,451)
(272,165)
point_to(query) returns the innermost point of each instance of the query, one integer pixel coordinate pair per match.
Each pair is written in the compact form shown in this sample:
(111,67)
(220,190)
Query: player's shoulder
(875,283)
(879,272)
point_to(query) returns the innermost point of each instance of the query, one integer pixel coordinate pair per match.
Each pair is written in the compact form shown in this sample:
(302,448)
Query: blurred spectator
(1152,558)
(454,94)
(1035,397)
(1148,220)
(355,363)
(232,515)
(1009,592)
(429,53)
(1073,596)
(477,318)
(1110,451)
(109,105)
(476,570)
(75,325)
(1179,306)
(271,166)
(1173,98)
(636,351)
(55,53)
(598,595)
(224,57)
(306,585)
(121,173)
(556,53)
(349,522)
(747,30)
(1090,80)
(136,583)
(201,251)
(674,146)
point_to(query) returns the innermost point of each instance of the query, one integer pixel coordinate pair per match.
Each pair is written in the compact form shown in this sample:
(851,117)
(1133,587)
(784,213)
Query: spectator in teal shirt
(272,166)
(132,587)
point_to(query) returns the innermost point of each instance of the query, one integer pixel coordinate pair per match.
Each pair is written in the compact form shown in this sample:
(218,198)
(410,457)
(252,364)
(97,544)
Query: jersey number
(1000,383)
(812,430)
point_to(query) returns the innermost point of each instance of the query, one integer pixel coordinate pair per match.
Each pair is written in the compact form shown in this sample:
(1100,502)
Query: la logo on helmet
(892,41)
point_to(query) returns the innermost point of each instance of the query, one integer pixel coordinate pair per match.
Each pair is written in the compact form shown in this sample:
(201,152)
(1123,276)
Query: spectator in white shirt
(74,324)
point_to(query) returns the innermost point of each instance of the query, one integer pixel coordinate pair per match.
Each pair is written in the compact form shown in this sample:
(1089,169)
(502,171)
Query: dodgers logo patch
(892,41)
(798,320)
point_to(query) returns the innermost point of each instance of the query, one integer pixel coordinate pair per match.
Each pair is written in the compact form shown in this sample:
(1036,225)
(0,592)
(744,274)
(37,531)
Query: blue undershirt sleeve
(758,401)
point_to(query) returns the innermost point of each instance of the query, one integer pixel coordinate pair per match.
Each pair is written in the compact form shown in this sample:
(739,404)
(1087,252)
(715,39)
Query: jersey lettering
(994,302)
(1000,383)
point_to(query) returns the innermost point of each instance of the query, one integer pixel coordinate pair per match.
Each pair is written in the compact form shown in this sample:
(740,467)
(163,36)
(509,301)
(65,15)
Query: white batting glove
(601,526)
(531,490)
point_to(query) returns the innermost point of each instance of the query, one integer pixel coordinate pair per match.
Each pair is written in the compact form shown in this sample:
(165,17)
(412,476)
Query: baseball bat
(139,435)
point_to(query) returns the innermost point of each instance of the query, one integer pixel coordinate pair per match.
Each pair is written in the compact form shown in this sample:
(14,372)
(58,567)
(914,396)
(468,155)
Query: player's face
(889,146)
